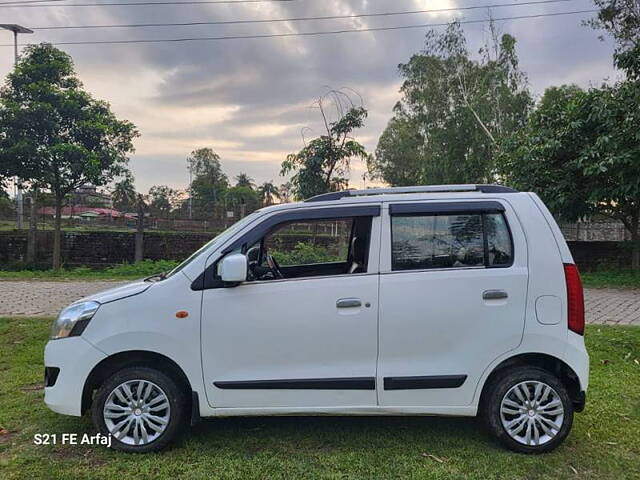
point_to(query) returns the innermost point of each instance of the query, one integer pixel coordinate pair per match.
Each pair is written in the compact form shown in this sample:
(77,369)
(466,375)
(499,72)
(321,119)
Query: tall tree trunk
(56,234)
(635,246)
(139,253)
(33,225)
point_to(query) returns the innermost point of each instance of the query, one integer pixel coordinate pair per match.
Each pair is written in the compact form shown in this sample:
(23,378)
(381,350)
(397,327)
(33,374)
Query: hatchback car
(457,300)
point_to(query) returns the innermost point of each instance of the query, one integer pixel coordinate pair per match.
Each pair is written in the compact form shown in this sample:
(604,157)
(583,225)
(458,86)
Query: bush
(142,269)
(123,270)
(304,254)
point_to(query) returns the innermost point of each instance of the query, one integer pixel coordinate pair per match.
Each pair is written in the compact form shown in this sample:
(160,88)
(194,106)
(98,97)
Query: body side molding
(424,382)
(346,383)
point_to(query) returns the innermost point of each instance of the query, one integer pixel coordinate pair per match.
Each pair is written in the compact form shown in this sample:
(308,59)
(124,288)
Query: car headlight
(73,319)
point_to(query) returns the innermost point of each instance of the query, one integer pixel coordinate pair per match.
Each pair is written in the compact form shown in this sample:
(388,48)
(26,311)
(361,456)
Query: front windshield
(217,239)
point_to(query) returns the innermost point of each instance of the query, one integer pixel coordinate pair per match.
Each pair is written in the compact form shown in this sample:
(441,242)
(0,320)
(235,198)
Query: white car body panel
(431,322)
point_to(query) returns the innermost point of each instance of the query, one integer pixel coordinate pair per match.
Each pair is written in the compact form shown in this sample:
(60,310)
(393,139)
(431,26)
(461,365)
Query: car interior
(263,263)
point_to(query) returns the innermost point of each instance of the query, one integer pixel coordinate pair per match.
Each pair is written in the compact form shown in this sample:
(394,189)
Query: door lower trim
(415,383)
(346,383)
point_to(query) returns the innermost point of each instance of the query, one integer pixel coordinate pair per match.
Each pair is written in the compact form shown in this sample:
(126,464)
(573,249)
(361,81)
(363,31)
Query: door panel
(287,344)
(437,324)
(441,327)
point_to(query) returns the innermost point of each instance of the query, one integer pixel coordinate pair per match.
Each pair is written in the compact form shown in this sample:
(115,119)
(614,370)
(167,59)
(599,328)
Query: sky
(250,99)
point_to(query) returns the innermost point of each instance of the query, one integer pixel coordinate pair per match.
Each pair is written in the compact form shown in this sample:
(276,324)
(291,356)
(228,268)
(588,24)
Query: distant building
(88,196)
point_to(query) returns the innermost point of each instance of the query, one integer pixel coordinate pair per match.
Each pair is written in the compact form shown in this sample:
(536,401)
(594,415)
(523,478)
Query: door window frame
(207,279)
(453,207)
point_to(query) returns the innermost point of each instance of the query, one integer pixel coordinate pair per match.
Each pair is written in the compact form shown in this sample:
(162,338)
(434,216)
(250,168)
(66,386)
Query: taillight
(575,299)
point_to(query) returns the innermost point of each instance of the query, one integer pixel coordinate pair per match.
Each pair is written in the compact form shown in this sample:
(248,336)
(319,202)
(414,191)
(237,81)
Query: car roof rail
(484,188)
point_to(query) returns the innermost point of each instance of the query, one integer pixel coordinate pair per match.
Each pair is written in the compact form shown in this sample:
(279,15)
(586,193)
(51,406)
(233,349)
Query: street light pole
(16,29)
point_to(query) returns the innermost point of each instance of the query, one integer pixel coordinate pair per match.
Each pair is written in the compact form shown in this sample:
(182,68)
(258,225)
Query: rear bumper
(577,358)
(74,358)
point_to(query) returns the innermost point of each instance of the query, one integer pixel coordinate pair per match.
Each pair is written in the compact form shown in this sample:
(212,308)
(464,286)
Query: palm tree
(268,192)
(244,180)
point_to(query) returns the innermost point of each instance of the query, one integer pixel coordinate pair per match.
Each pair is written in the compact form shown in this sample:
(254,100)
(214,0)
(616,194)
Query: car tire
(145,409)
(528,410)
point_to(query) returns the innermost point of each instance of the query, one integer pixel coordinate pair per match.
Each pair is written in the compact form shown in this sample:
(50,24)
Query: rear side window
(459,240)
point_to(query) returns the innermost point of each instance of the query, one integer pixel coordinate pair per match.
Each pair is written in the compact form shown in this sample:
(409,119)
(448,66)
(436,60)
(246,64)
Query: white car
(457,300)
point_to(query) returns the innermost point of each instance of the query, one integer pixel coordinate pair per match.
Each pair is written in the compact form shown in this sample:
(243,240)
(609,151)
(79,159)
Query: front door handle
(494,294)
(348,303)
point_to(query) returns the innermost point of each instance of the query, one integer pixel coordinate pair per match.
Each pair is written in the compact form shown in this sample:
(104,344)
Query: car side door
(307,340)
(453,289)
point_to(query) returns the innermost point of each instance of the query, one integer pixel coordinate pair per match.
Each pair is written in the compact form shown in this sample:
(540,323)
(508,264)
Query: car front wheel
(528,410)
(140,407)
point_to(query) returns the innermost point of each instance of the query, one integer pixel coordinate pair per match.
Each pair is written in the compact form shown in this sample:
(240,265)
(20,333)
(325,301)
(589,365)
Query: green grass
(603,445)
(611,279)
(125,271)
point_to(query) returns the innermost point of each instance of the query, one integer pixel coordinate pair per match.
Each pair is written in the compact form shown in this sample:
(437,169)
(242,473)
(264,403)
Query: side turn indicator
(182,314)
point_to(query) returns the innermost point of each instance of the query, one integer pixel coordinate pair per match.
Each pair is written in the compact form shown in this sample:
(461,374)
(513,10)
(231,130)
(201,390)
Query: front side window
(309,248)
(461,240)
(304,243)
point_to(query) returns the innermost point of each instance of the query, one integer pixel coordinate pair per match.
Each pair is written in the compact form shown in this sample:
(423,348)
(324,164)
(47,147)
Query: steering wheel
(275,268)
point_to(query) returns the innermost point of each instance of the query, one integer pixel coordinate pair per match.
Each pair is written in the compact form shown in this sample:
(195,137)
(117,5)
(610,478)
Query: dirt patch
(7,435)
(85,454)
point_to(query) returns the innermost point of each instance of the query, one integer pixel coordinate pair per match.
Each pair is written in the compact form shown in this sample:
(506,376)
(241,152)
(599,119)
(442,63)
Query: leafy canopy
(53,134)
(123,194)
(621,19)
(323,164)
(209,184)
(580,151)
(453,111)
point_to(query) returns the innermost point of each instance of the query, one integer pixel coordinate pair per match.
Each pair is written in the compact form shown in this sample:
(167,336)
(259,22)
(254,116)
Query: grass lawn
(604,279)
(604,443)
(611,279)
(125,271)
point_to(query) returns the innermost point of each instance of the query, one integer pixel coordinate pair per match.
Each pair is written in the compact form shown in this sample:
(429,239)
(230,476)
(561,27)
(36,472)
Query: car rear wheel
(528,410)
(141,408)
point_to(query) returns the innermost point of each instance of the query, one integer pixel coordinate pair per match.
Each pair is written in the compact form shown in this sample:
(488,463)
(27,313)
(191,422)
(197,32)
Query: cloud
(250,99)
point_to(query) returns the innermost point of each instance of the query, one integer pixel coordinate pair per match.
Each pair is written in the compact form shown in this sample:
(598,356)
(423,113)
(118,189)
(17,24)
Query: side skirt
(466,411)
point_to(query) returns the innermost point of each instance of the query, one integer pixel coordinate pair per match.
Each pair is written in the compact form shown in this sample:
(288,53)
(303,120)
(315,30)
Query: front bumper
(75,358)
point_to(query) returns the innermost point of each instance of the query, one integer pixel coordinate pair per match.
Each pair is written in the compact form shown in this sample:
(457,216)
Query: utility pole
(190,166)
(16,29)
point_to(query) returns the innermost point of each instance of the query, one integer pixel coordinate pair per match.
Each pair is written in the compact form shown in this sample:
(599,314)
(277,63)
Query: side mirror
(233,268)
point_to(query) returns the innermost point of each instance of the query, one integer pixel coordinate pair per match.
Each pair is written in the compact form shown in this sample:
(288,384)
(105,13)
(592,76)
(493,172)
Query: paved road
(41,298)
(44,299)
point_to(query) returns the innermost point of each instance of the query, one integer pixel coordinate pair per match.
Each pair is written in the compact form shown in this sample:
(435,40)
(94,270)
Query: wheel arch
(546,362)
(130,358)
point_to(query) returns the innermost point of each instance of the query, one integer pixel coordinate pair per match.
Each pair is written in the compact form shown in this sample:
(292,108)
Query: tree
(244,180)
(268,192)
(453,112)
(243,198)
(397,159)
(621,19)
(209,184)
(53,134)
(580,151)
(162,200)
(124,196)
(285,192)
(323,164)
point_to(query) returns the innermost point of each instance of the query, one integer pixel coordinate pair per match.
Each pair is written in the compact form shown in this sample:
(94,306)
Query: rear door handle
(494,294)
(348,303)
